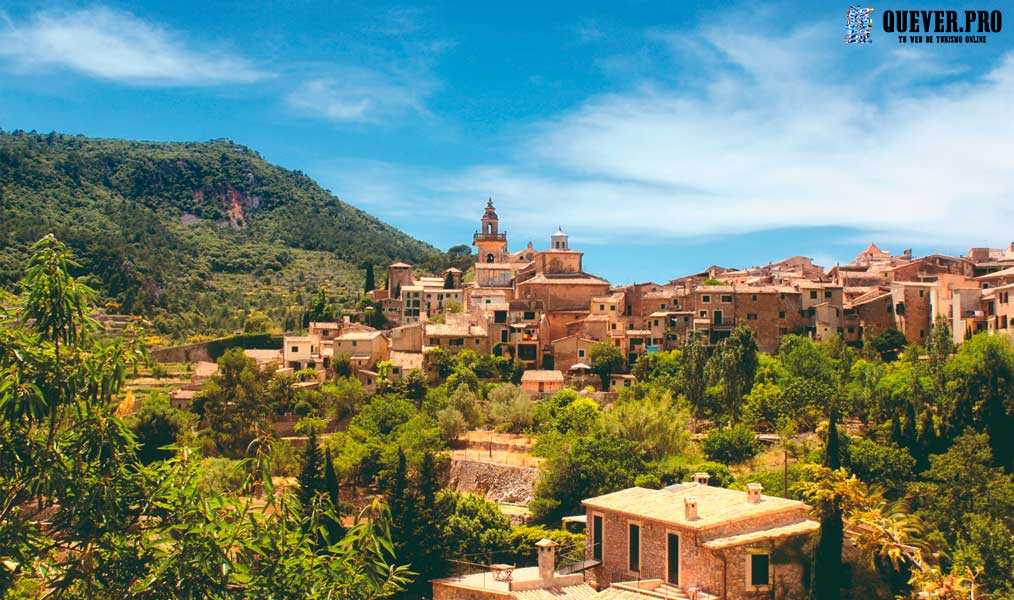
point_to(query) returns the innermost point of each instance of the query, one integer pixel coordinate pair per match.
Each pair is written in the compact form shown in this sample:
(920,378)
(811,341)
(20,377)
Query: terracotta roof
(567,592)
(872,249)
(454,329)
(715,505)
(773,533)
(359,335)
(542,376)
(400,265)
(1009,271)
(407,360)
(575,279)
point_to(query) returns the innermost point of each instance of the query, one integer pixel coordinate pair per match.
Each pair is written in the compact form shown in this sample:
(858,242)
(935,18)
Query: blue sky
(663,136)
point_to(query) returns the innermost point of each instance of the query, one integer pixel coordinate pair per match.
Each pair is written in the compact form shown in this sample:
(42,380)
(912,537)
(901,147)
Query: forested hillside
(193,235)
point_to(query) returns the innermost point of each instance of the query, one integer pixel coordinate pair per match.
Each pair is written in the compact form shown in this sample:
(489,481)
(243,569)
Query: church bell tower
(490,242)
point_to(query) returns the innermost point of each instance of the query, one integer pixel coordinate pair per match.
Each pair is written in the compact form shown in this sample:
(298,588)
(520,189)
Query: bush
(648,480)
(732,445)
(510,409)
(451,422)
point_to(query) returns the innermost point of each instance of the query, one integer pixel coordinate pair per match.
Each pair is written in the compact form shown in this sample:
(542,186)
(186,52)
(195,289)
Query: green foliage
(510,408)
(731,445)
(157,425)
(658,424)
(606,359)
(593,466)
(183,232)
(889,344)
(184,527)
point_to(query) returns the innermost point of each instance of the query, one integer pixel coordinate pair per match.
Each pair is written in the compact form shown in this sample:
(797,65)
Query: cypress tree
(896,436)
(908,431)
(929,441)
(336,530)
(827,568)
(311,477)
(370,283)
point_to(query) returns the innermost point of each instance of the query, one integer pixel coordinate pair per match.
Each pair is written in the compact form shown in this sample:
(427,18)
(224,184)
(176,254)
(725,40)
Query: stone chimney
(753,493)
(690,508)
(702,477)
(547,560)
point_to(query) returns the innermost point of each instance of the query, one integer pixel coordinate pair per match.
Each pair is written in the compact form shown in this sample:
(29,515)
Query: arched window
(489,229)
(489,258)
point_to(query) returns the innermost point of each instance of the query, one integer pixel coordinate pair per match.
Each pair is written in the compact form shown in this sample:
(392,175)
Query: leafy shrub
(732,445)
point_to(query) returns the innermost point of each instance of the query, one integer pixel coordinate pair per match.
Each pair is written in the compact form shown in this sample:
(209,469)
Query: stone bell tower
(490,241)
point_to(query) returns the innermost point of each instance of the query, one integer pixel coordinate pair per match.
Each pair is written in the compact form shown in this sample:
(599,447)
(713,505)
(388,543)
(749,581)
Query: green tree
(369,284)
(827,564)
(593,466)
(734,363)
(233,403)
(157,425)
(606,359)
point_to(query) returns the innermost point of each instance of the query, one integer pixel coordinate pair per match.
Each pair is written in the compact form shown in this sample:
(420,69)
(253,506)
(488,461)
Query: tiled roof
(542,376)
(772,533)
(715,505)
(566,279)
(567,592)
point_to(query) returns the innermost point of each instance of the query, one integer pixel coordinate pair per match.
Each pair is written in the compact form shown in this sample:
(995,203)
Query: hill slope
(189,233)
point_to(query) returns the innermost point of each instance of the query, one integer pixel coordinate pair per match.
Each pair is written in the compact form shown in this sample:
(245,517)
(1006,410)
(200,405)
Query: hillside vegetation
(192,235)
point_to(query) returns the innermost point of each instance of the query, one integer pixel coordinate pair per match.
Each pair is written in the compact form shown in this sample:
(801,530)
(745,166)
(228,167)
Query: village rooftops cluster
(540,307)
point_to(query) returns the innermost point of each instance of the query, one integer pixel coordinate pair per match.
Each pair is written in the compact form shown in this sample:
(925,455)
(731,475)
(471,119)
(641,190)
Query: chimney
(702,477)
(690,508)
(547,560)
(753,493)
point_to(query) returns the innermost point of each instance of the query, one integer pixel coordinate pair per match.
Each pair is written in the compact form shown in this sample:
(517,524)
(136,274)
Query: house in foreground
(696,539)
(689,541)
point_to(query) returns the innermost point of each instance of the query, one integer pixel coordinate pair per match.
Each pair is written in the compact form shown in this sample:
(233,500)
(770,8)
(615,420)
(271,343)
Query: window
(634,547)
(753,297)
(781,314)
(922,333)
(529,315)
(457,342)
(612,307)
(580,353)
(726,298)
(704,314)
(813,294)
(852,329)
(759,569)
(656,322)
(751,316)
(602,307)
(705,298)
(597,537)
(294,349)
(353,345)
(311,347)
(922,293)
(661,306)
(503,335)
(613,326)
(783,331)
(827,293)
(500,316)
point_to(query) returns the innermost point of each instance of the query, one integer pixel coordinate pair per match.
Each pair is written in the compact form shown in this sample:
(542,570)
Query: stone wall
(502,484)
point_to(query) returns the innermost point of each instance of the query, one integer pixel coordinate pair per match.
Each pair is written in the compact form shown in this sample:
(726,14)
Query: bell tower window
(489,258)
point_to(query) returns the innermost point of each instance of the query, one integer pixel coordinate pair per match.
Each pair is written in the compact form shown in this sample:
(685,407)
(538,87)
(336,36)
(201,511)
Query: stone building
(695,537)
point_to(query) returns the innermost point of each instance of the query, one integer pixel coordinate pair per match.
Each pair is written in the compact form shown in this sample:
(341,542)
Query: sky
(664,137)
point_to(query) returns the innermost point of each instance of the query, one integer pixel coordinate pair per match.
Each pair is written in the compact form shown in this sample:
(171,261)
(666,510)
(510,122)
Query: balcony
(489,237)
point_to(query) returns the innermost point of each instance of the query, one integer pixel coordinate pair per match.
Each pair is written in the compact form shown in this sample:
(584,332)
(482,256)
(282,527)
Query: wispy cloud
(118,46)
(362,95)
(776,132)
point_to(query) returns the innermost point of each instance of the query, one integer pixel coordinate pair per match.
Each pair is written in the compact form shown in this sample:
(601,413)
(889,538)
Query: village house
(693,537)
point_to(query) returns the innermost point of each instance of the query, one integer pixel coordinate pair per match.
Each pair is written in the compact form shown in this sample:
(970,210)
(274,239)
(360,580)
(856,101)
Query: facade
(693,536)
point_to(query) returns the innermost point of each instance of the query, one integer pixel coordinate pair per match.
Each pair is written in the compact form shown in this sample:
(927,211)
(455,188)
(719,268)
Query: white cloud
(780,134)
(118,46)
(362,95)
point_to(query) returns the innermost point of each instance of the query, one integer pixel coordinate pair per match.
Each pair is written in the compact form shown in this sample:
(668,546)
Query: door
(673,559)
(718,317)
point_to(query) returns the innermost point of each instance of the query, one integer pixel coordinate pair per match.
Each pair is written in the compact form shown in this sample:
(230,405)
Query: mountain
(193,235)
